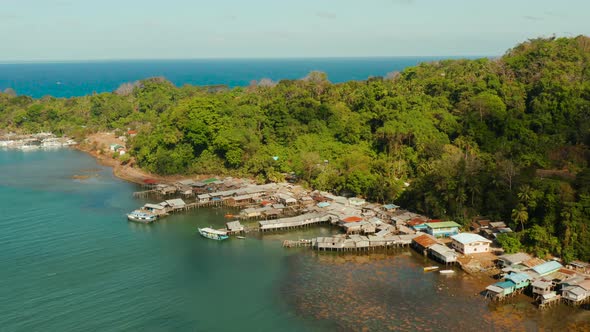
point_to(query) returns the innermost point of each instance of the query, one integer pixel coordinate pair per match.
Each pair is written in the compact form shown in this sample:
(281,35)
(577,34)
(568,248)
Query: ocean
(68,79)
(70,261)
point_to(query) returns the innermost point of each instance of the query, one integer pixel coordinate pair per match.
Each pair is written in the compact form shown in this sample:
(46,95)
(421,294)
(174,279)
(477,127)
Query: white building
(468,243)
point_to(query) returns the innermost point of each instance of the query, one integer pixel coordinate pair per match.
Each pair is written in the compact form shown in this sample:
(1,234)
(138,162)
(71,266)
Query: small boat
(229,216)
(446,271)
(213,234)
(240,237)
(430,268)
(143,217)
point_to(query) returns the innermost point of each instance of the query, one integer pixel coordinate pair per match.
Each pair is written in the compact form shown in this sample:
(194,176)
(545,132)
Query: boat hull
(141,218)
(212,236)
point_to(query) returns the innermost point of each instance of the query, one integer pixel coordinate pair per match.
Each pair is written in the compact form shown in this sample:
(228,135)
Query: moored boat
(446,271)
(213,234)
(142,217)
(430,268)
(240,237)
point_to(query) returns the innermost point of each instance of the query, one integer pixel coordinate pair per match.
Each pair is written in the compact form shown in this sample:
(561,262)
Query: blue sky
(42,30)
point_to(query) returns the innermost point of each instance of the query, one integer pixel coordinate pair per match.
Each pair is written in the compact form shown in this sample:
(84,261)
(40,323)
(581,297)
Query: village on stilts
(369,227)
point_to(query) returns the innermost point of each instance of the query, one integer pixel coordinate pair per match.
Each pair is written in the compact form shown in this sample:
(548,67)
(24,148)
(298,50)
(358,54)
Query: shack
(234,227)
(423,242)
(500,290)
(443,253)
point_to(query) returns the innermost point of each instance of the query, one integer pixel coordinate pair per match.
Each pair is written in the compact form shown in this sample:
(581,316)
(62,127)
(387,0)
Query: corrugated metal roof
(425,240)
(352,219)
(466,238)
(505,284)
(444,224)
(518,278)
(516,258)
(547,267)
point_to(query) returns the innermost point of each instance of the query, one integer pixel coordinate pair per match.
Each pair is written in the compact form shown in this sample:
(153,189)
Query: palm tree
(520,215)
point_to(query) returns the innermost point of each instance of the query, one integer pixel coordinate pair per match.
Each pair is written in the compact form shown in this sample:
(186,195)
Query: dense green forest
(506,138)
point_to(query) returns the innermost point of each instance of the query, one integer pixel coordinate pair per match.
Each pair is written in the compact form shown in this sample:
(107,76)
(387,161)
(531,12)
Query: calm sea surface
(81,78)
(69,261)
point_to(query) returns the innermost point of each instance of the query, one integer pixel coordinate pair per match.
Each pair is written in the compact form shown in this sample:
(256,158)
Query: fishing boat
(446,271)
(143,217)
(240,237)
(213,234)
(430,268)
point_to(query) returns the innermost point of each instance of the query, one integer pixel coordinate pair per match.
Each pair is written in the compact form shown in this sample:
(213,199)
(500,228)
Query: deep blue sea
(67,79)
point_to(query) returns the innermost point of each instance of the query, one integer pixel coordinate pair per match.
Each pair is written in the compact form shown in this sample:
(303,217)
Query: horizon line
(48,61)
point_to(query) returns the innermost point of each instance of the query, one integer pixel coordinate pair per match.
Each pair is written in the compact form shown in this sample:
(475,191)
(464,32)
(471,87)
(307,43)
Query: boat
(446,271)
(143,217)
(430,268)
(229,216)
(240,237)
(213,234)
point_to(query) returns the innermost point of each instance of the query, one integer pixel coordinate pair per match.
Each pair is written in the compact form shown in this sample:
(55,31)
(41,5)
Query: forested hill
(507,138)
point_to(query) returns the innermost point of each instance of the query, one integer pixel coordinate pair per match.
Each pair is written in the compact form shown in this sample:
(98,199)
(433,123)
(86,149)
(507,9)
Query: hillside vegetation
(507,138)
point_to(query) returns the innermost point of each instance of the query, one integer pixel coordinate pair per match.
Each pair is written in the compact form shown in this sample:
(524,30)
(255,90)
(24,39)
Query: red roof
(425,240)
(352,219)
(435,220)
(265,203)
(416,221)
(150,181)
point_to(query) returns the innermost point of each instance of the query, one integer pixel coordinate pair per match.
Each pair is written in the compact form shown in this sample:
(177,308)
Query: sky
(63,30)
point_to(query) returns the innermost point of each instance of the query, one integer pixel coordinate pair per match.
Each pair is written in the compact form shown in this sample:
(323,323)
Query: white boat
(213,234)
(143,217)
(446,271)
(430,268)
(240,237)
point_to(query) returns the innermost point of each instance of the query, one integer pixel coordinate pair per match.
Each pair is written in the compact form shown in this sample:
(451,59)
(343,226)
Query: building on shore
(443,253)
(443,229)
(423,242)
(469,243)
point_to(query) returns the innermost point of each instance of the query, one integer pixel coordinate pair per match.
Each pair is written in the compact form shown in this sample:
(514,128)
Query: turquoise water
(67,79)
(69,261)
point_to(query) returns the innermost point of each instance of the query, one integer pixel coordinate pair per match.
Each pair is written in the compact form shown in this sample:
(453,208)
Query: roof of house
(533,262)
(425,240)
(467,238)
(444,224)
(547,267)
(176,202)
(516,258)
(416,221)
(576,290)
(505,284)
(154,206)
(585,284)
(517,278)
(234,225)
(390,206)
(352,219)
(542,284)
(443,250)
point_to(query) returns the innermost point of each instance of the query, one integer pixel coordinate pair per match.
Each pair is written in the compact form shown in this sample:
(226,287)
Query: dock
(303,220)
(361,243)
(297,243)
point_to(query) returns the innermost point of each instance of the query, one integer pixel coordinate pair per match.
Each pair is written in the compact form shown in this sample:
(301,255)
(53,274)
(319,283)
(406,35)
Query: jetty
(360,242)
(303,220)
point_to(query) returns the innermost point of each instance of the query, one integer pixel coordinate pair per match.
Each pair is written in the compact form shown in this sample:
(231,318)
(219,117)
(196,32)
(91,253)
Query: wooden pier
(303,220)
(361,243)
(297,243)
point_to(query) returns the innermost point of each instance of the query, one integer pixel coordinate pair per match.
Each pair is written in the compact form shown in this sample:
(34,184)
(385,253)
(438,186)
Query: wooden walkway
(303,220)
(297,243)
(361,243)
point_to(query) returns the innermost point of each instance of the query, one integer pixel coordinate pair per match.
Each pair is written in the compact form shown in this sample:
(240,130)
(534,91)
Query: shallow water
(70,261)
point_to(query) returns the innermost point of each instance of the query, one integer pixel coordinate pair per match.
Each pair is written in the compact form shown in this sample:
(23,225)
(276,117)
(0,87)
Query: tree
(520,215)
